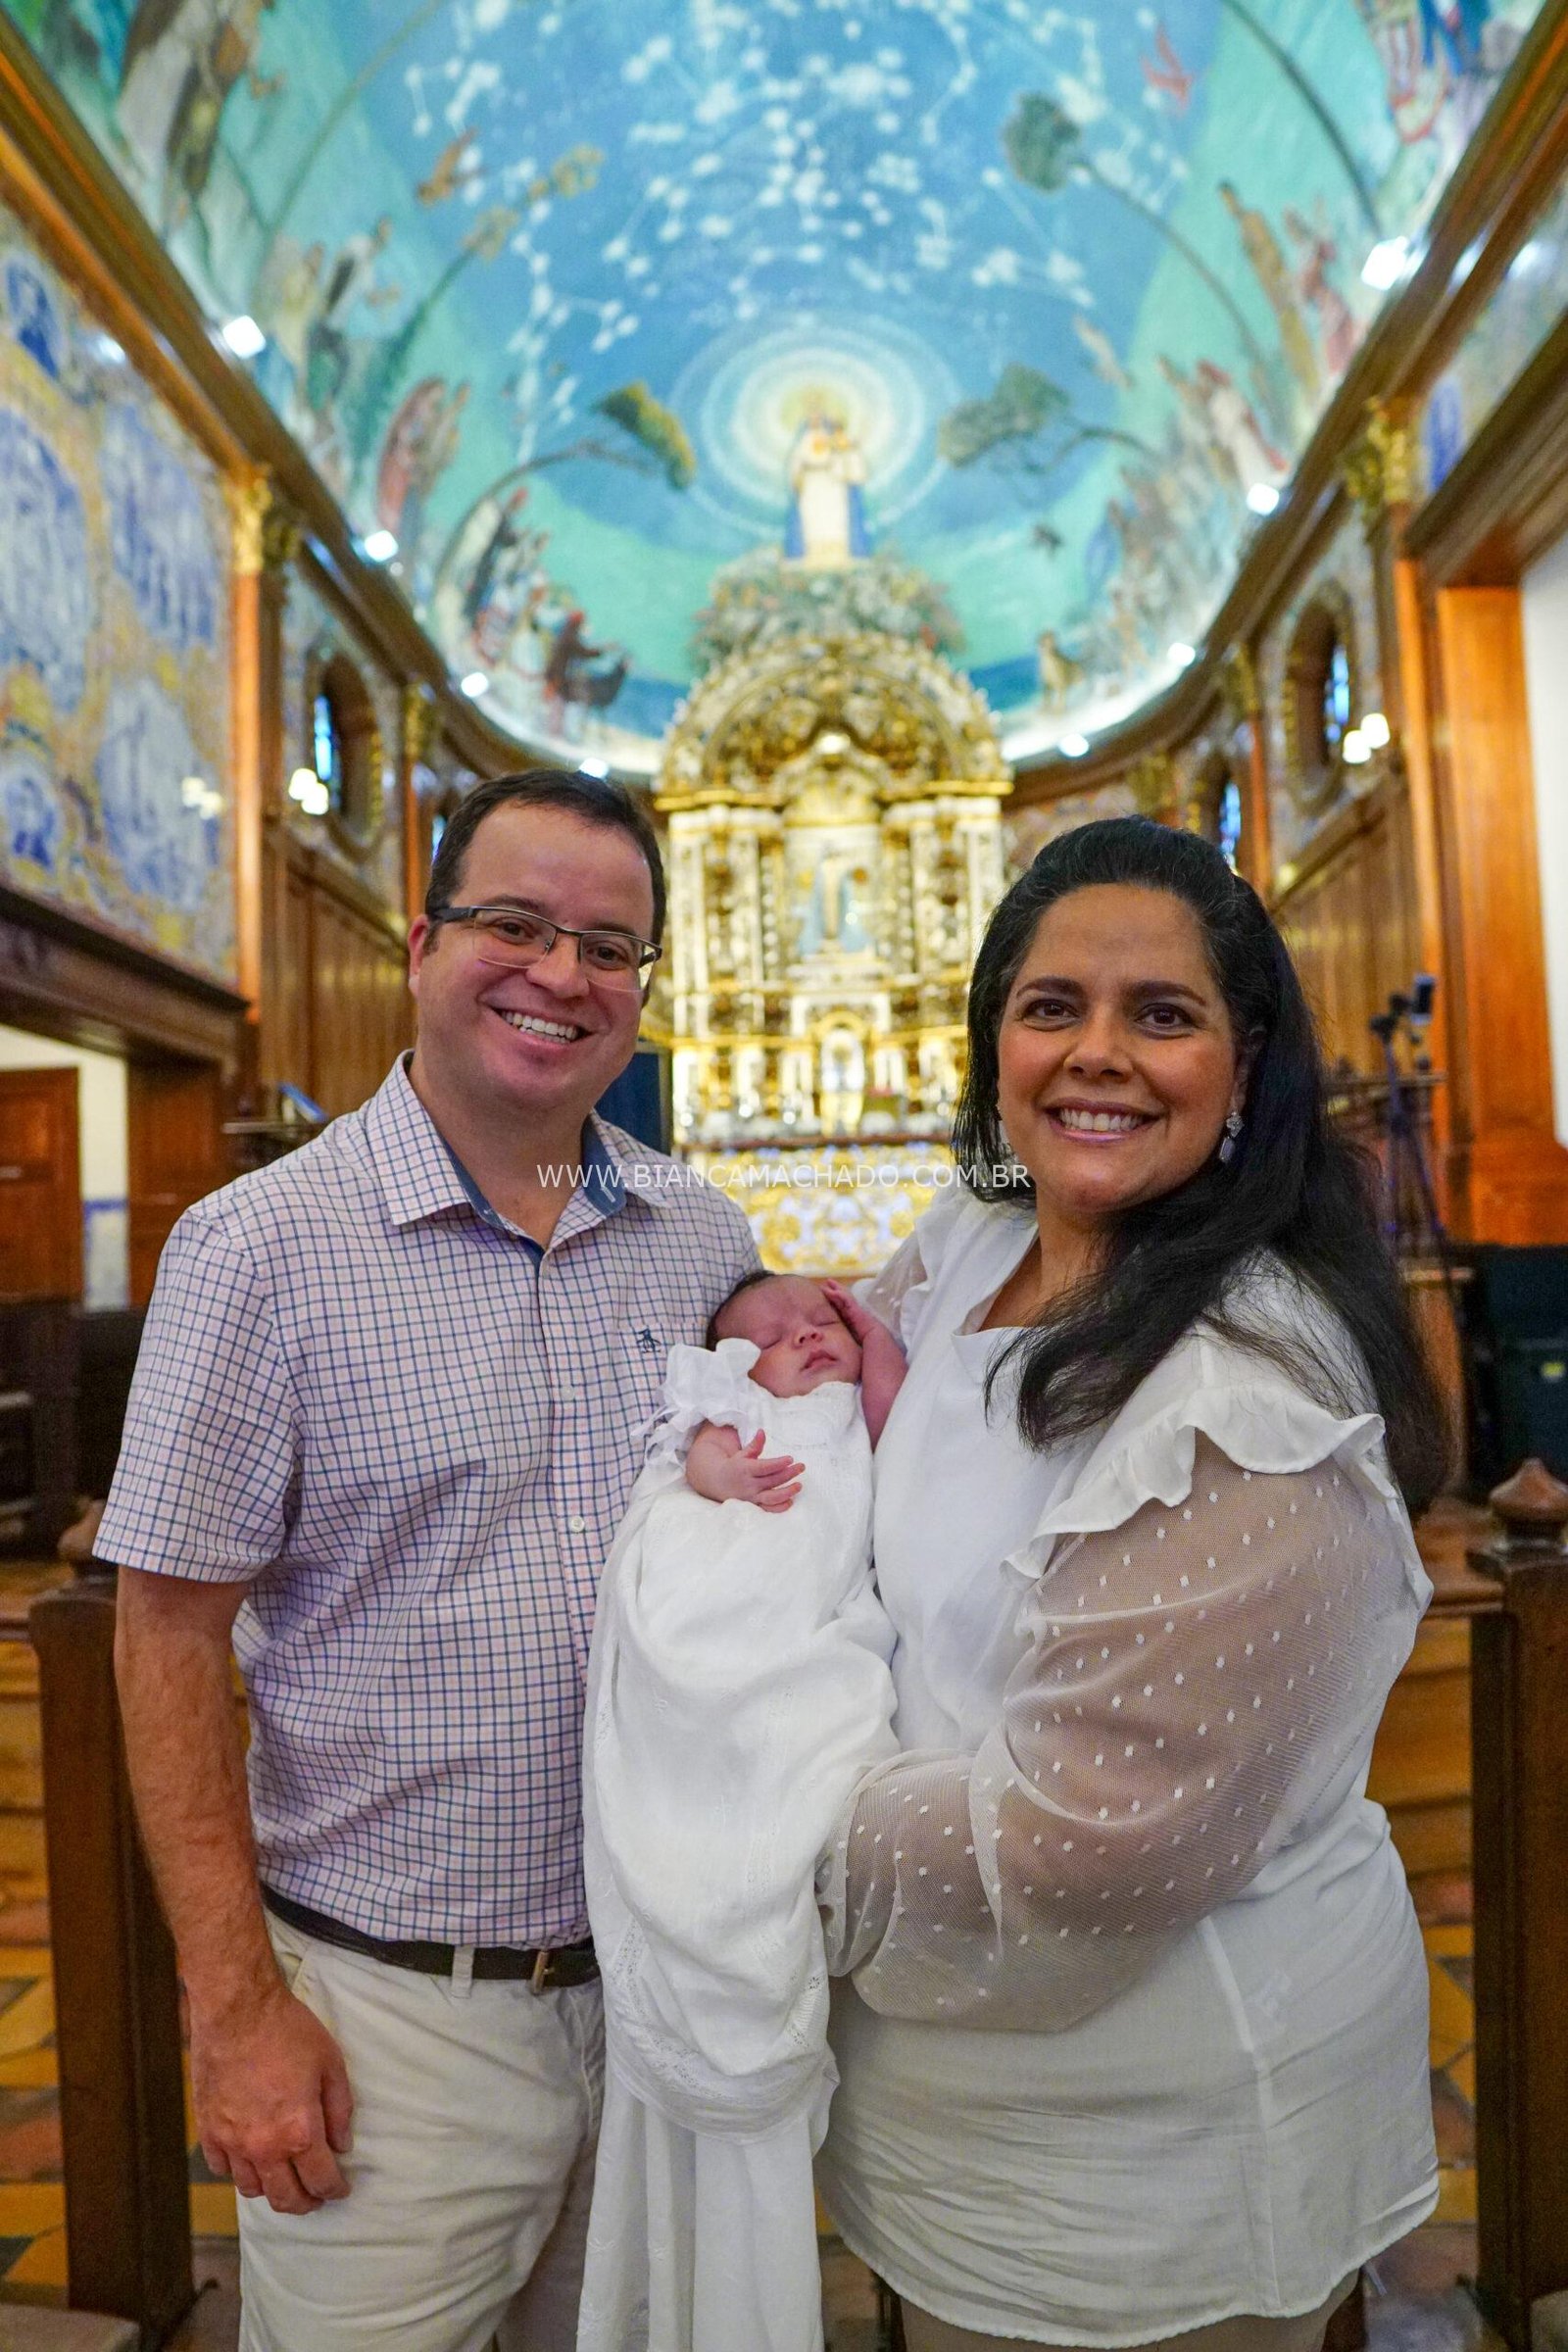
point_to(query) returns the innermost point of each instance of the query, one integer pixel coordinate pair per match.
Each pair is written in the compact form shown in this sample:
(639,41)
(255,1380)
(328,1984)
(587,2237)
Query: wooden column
(117,2007)
(1519,1671)
(1413,717)
(1509,1174)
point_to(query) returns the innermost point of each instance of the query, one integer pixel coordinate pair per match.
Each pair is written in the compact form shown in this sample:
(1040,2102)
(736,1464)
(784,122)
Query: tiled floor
(1417,2301)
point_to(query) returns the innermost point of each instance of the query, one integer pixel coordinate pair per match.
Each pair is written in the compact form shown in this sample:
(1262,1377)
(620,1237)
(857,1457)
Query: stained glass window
(328,761)
(1336,699)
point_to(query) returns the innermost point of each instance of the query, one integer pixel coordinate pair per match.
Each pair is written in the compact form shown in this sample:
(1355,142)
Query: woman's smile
(1095,1124)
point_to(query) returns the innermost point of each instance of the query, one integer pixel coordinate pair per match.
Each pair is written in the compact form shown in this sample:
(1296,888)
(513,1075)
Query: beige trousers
(475,2119)
(923,2334)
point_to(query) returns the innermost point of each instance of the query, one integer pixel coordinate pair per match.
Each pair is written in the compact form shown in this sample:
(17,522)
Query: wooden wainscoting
(1350,915)
(338,1010)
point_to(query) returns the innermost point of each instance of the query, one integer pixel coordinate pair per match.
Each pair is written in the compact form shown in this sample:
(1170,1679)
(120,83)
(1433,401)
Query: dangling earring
(1232,1129)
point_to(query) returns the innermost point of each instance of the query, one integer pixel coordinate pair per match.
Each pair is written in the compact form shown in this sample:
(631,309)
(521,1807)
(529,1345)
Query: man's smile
(538,1024)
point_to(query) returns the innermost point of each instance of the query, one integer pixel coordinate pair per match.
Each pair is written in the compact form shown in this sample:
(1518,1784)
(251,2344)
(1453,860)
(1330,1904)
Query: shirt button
(570,1396)
(578,1524)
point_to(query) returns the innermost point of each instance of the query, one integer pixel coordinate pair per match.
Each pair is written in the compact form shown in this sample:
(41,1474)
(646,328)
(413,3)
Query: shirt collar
(420,1175)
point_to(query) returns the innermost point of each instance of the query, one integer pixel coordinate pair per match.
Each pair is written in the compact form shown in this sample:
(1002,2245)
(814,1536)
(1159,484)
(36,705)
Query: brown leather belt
(545,1970)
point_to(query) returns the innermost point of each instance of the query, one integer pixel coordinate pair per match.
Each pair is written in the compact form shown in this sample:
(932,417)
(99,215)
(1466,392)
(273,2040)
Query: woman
(1136,2041)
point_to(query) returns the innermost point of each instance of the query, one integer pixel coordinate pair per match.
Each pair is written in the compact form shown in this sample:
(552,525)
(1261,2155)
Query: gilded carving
(267,536)
(1238,685)
(250,497)
(421,722)
(1152,782)
(281,539)
(834,807)
(1381,469)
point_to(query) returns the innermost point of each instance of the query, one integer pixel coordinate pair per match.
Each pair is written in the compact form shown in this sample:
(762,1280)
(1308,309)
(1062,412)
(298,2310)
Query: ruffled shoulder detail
(706,1384)
(955,1226)
(1258,1420)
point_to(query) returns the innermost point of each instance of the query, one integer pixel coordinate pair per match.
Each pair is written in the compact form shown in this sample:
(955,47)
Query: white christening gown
(738,1687)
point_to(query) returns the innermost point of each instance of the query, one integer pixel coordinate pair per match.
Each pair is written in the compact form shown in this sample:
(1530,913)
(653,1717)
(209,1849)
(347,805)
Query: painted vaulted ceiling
(644,329)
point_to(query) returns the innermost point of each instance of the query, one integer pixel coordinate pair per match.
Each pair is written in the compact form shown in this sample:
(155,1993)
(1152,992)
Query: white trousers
(475,2119)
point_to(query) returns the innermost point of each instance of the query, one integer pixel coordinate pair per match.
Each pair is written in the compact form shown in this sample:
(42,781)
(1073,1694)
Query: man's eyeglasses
(513,937)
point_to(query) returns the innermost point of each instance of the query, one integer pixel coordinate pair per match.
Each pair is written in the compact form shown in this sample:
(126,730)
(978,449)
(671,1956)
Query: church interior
(883,437)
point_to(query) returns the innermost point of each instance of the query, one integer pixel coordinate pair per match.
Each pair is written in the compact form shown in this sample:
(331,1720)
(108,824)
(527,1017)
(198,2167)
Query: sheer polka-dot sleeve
(1201,1683)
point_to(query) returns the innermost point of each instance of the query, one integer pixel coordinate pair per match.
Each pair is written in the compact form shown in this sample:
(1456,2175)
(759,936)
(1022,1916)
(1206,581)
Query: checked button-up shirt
(411,1433)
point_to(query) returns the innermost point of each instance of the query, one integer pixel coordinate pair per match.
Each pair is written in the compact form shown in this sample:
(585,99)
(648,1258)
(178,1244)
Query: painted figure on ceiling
(351,277)
(421,442)
(506,586)
(1234,425)
(1060,673)
(1273,274)
(1434,52)
(1335,322)
(827,495)
(570,679)
(183,60)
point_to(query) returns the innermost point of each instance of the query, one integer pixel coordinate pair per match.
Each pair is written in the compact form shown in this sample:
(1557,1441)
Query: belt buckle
(539,1982)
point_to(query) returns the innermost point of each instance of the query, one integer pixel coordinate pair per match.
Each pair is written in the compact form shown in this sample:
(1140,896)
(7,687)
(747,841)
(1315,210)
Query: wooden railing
(128,2215)
(1519,1779)
(116,1997)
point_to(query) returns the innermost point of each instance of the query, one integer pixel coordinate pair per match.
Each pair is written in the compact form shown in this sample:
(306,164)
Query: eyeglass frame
(650,950)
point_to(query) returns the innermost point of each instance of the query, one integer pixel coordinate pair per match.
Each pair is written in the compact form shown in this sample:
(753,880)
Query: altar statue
(827,495)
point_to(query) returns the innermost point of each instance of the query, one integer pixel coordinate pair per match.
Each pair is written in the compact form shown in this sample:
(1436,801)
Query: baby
(738,1689)
(805,1334)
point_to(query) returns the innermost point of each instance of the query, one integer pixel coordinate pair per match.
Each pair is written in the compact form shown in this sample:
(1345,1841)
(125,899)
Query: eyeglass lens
(521,939)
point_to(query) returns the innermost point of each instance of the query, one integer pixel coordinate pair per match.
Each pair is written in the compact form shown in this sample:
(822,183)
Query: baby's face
(794,1324)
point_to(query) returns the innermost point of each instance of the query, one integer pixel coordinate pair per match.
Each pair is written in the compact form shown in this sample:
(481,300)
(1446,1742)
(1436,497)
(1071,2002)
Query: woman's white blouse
(1151,1664)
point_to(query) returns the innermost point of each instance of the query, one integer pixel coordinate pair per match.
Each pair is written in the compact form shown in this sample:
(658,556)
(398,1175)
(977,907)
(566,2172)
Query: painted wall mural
(625,333)
(113,633)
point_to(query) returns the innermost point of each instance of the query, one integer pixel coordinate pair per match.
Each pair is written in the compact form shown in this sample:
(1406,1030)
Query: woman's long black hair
(1295,1187)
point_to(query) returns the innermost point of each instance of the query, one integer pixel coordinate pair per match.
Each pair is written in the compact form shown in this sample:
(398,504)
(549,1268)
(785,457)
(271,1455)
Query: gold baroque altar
(833,808)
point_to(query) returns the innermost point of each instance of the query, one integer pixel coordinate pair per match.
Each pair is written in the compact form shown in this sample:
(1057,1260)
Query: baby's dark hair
(746,1281)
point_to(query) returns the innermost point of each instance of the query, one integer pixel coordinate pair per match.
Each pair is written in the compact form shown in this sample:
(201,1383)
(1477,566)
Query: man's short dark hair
(593,799)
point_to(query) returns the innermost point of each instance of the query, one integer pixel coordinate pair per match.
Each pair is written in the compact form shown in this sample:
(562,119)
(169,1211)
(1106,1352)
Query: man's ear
(421,931)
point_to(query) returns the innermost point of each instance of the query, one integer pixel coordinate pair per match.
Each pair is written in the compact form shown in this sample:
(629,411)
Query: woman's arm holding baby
(720,1467)
(882,1364)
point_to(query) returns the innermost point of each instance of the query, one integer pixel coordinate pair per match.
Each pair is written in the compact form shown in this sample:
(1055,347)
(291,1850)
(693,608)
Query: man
(387,1414)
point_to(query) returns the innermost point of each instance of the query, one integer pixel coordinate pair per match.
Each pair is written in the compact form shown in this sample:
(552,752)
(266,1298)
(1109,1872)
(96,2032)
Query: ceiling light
(1387,263)
(1182,655)
(306,787)
(475,684)
(243,336)
(380,547)
(1073,747)
(1263,498)
(1374,729)
(594,768)
(1355,749)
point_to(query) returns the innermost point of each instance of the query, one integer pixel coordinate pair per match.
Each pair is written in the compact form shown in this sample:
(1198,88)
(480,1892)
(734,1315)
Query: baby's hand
(720,1467)
(882,1364)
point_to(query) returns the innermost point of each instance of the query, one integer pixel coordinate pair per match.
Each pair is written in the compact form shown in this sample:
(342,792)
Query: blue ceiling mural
(626,335)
